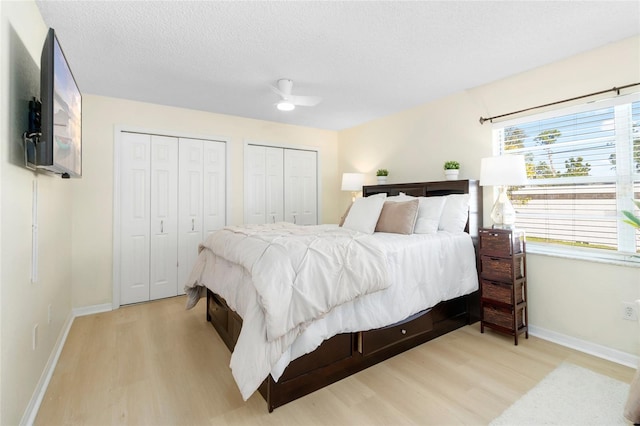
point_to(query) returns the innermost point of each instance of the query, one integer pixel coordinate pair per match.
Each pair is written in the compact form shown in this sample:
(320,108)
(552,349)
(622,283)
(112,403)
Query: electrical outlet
(630,311)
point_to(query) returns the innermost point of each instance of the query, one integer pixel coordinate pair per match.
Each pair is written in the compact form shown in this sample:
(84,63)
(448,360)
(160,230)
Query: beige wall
(92,243)
(576,298)
(22,303)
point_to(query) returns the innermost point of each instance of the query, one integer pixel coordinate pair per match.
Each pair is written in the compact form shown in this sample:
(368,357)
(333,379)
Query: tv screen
(60,146)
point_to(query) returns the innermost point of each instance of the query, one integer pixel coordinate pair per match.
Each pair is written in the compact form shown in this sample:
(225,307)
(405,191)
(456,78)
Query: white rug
(570,395)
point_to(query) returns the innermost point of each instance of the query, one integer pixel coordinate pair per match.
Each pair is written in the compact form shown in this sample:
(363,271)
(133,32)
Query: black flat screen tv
(60,147)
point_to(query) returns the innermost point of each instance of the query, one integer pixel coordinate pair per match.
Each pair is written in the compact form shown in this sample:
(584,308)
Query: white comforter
(301,272)
(423,269)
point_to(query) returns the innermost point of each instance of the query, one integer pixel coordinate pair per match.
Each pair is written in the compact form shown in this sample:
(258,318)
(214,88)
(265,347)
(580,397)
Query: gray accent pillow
(398,217)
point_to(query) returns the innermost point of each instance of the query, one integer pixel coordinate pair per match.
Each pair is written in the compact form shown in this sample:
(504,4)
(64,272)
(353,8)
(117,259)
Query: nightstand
(503,281)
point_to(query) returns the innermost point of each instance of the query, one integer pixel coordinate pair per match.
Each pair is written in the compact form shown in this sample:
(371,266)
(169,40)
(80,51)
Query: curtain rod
(615,89)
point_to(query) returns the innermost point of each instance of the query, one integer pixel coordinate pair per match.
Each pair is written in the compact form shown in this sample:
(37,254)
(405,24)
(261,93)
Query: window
(583,170)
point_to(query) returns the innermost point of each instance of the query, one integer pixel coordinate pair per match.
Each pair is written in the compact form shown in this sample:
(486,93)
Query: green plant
(382,172)
(631,218)
(451,165)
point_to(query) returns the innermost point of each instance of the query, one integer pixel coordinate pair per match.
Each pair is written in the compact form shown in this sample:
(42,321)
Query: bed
(312,355)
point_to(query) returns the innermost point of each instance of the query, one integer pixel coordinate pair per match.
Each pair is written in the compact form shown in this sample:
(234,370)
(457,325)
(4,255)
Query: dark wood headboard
(444,187)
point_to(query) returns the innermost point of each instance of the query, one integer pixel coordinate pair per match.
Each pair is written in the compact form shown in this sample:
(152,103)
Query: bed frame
(348,353)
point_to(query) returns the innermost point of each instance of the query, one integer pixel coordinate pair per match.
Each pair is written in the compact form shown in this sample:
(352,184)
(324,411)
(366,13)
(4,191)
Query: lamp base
(503,226)
(503,214)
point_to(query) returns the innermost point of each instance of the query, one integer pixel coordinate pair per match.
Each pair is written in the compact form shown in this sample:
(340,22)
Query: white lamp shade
(352,181)
(503,170)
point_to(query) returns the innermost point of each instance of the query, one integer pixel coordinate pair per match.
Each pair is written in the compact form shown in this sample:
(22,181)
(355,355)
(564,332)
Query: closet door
(202,199)
(164,218)
(190,211)
(214,171)
(300,187)
(254,183)
(264,190)
(172,194)
(274,189)
(135,191)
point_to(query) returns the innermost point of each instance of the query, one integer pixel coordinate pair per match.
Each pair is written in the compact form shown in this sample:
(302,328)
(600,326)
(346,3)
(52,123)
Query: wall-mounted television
(59,148)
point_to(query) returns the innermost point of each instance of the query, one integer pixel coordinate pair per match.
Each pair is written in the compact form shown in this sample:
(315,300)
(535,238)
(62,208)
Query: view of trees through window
(583,170)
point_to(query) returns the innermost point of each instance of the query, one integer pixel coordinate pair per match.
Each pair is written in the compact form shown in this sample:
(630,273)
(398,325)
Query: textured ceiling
(365,59)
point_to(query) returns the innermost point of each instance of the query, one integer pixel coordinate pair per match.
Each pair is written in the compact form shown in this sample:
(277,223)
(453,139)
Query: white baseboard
(93,309)
(590,348)
(30,413)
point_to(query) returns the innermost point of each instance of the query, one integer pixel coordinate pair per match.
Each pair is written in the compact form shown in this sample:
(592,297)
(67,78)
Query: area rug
(570,395)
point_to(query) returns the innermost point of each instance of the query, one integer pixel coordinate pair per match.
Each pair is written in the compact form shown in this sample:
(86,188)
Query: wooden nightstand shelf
(503,281)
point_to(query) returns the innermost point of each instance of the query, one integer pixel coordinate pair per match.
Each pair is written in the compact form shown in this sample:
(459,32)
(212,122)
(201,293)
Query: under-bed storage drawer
(381,338)
(336,348)
(218,310)
(227,322)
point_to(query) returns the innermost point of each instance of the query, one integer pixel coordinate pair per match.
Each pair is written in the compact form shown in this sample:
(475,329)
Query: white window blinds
(583,169)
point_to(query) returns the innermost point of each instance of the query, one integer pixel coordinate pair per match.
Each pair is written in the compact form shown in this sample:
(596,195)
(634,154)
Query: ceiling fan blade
(284,91)
(306,100)
(277,91)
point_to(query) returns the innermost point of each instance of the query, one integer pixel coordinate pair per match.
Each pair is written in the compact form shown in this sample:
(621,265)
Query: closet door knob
(193,224)
(162,226)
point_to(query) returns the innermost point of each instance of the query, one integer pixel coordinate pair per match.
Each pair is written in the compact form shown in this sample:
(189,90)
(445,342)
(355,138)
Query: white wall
(92,245)
(576,298)
(23,304)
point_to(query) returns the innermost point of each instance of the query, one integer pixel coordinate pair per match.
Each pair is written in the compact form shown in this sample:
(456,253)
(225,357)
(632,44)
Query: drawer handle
(403,331)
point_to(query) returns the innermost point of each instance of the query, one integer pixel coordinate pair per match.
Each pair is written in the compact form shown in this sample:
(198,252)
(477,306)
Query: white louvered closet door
(300,187)
(163,266)
(135,162)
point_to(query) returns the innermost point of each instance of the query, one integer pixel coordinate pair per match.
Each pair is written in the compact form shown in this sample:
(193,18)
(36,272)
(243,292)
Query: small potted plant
(451,170)
(382,175)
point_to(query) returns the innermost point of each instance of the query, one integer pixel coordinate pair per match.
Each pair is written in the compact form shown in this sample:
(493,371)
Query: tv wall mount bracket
(31,138)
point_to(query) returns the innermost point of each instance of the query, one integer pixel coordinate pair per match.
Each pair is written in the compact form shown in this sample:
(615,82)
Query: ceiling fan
(288,101)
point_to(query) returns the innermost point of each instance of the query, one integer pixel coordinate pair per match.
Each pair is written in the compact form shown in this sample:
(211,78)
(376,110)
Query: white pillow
(364,213)
(429,213)
(455,213)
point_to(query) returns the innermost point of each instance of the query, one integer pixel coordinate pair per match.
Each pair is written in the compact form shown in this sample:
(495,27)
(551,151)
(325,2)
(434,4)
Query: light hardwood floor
(156,364)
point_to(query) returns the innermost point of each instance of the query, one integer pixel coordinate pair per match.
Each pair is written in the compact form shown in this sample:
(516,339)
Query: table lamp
(503,171)
(352,182)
